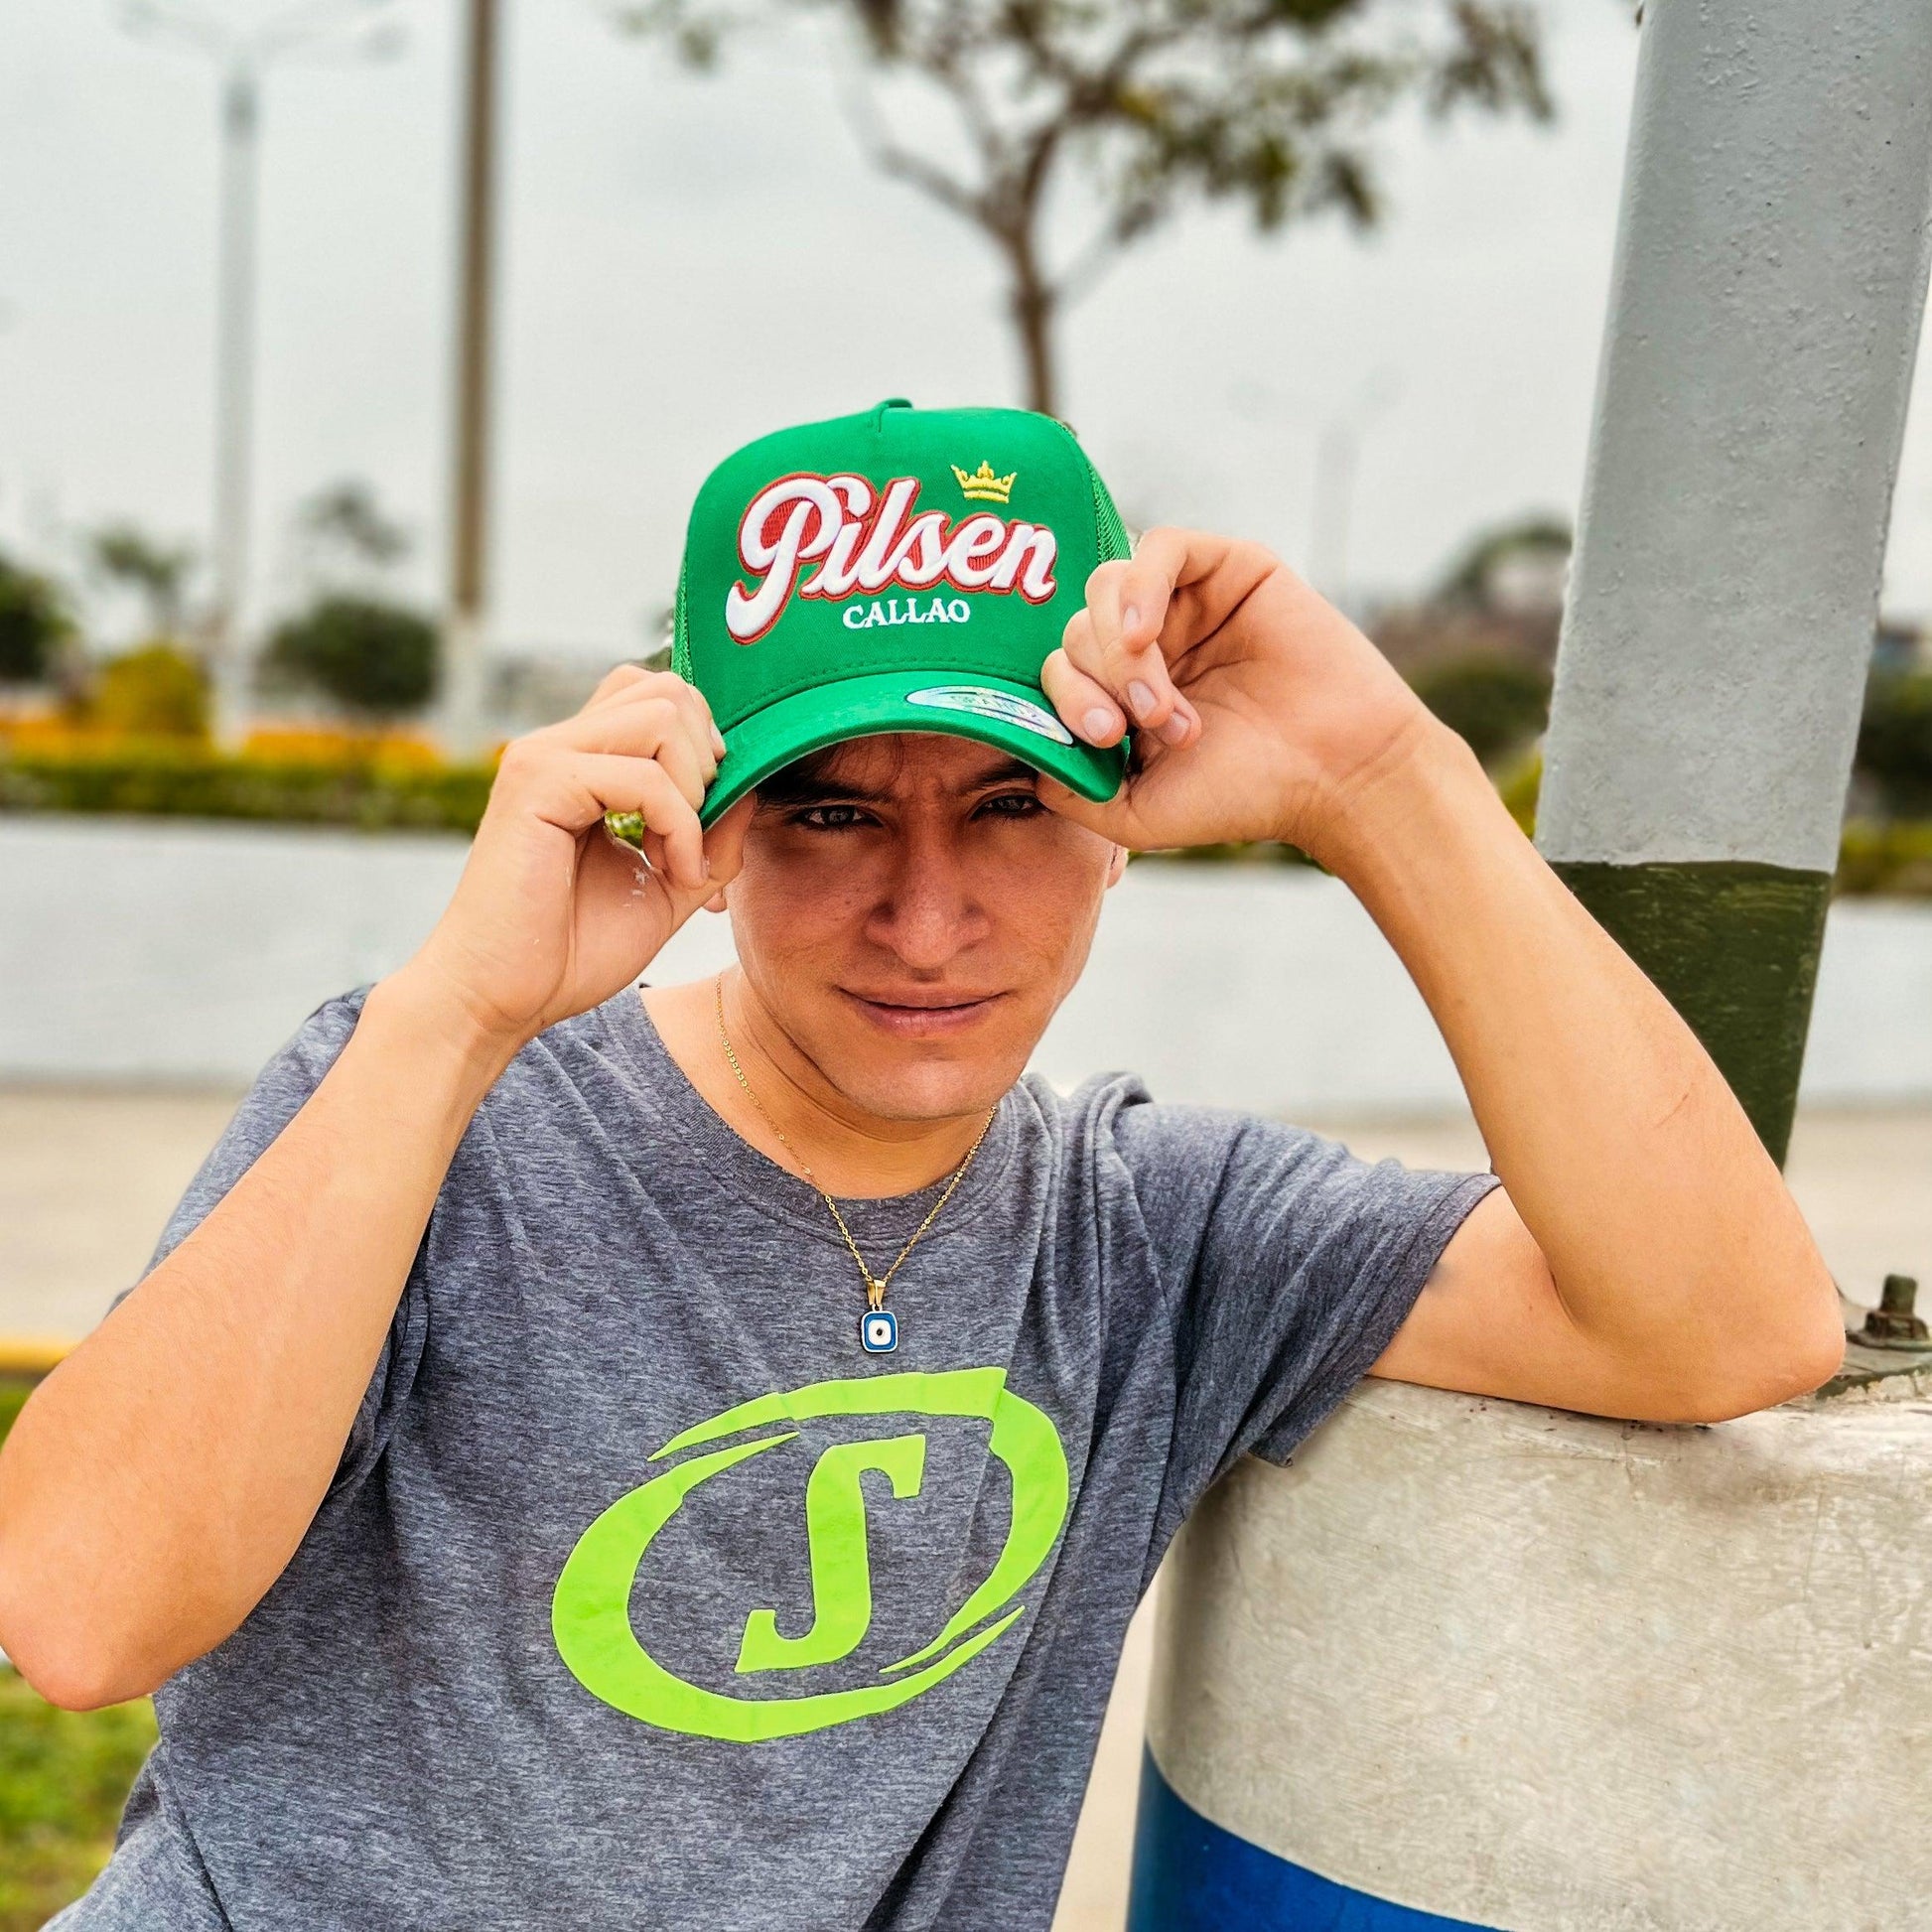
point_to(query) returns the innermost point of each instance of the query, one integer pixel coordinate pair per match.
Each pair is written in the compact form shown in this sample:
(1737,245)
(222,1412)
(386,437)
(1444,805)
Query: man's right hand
(554,914)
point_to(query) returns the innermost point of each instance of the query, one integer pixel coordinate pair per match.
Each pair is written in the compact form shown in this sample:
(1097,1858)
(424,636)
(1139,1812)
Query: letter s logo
(591,1609)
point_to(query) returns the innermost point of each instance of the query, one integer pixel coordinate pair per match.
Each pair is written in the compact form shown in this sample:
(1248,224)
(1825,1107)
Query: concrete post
(464,625)
(1764,320)
(229,665)
(1470,1663)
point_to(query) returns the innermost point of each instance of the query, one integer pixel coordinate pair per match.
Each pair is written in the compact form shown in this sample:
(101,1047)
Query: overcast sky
(691,261)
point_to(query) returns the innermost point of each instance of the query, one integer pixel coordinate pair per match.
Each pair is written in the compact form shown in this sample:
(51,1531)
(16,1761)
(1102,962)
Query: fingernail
(1173,731)
(1130,617)
(704,864)
(1098,724)
(1141,697)
(718,741)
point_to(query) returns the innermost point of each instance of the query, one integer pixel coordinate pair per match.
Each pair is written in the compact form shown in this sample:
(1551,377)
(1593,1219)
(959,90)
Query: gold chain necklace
(878,1326)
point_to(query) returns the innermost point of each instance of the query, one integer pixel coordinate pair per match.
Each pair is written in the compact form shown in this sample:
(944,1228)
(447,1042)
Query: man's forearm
(1665,1226)
(159,1481)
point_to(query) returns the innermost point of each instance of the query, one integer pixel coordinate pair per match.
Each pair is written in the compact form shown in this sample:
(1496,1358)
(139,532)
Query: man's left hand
(1260,710)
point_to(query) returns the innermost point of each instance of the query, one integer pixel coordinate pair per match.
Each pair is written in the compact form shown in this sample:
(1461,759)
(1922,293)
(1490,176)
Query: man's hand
(1261,709)
(553,915)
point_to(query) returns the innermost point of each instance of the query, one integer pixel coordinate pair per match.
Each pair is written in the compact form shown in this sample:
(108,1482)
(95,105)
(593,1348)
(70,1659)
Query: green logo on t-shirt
(590,1614)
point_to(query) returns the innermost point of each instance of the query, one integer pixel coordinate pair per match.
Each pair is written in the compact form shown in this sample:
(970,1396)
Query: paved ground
(87,1178)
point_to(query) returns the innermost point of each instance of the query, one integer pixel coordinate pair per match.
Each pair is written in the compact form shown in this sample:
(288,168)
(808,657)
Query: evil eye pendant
(878,1332)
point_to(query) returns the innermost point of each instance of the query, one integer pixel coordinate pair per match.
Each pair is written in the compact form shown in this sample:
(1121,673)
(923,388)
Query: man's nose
(929,910)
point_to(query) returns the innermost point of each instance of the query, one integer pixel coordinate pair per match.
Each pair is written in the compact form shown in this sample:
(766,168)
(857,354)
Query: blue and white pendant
(878,1332)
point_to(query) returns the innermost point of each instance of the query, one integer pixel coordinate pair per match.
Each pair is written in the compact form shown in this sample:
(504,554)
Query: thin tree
(124,557)
(343,533)
(1142,105)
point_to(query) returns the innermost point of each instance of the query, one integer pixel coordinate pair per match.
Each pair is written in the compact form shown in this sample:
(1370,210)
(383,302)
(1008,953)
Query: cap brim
(961,704)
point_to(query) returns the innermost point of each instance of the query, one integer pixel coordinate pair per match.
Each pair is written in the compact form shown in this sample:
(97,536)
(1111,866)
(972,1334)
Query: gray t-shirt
(645,1598)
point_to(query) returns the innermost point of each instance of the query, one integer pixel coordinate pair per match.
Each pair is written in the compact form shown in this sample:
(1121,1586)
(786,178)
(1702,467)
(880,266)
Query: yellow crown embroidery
(983,485)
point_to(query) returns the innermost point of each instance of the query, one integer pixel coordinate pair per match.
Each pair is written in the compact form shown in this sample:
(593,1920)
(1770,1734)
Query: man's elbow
(68,1677)
(1776,1361)
(62,1653)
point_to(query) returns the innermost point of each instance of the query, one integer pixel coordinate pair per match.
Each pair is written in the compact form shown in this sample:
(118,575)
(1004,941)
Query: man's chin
(920,1081)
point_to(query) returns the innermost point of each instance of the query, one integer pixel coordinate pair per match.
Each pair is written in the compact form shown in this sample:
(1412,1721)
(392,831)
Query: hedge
(383,793)
(1892,857)
(189,782)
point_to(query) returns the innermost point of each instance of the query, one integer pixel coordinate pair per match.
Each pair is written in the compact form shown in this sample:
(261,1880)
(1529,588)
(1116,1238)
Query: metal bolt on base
(1892,1323)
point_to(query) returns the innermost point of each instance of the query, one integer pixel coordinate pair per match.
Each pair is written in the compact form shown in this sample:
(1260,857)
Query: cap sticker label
(994,703)
(865,543)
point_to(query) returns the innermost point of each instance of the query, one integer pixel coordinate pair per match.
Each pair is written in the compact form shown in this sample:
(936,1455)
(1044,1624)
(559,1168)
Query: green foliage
(1467,582)
(1895,857)
(374,658)
(345,519)
(158,691)
(1895,740)
(193,782)
(1498,704)
(63,1776)
(1267,852)
(1519,786)
(64,1779)
(34,625)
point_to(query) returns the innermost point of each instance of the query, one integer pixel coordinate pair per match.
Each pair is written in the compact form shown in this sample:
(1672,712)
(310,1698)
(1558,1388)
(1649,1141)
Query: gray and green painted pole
(1763,318)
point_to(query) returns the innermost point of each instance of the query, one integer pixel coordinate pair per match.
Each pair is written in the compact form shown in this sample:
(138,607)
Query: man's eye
(830,818)
(1012,804)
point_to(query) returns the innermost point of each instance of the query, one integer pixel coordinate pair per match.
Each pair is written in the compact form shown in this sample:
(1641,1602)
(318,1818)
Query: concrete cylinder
(1473,1664)
(1466,1662)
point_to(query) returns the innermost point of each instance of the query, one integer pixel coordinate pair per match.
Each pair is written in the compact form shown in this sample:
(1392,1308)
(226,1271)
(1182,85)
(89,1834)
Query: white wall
(150,950)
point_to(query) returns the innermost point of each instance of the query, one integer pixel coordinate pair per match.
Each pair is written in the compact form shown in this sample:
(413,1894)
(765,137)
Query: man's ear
(1116,866)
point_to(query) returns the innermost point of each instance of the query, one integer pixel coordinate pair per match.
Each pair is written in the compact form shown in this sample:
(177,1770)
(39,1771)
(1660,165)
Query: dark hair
(806,780)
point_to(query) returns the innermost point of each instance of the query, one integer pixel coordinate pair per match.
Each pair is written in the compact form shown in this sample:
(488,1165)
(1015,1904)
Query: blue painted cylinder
(1190,1876)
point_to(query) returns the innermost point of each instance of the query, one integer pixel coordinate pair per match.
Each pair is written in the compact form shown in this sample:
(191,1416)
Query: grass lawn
(63,1777)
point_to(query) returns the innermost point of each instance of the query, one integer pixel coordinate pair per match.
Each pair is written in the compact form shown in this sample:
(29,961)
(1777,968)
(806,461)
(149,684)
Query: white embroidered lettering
(864,543)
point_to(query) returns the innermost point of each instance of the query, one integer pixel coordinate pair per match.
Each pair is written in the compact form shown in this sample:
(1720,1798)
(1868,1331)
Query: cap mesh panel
(1110,533)
(680,635)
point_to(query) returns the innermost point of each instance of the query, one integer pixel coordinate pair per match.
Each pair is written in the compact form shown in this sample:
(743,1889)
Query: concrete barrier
(178,951)
(1636,1678)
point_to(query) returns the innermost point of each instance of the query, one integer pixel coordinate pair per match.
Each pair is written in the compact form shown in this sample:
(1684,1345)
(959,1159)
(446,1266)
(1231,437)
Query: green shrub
(34,623)
(374,658)
(158,691)
(1895,740)
(1520,787)
(194,782)
(1895,857)
(1498,704)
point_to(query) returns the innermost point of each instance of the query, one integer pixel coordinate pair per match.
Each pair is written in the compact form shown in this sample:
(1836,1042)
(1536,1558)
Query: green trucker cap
(904,570)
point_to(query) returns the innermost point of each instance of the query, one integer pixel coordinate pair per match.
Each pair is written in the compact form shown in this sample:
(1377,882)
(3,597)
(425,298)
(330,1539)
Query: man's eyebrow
(790,790)
(1008,771)
(822,791)
(802,793)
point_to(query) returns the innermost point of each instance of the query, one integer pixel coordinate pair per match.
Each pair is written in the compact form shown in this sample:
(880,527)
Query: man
(538,1503)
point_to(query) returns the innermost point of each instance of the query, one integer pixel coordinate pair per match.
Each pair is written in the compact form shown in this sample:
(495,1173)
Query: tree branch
(899,161)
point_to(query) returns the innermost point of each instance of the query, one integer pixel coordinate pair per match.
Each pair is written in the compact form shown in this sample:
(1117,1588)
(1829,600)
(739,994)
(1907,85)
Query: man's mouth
(920,1013)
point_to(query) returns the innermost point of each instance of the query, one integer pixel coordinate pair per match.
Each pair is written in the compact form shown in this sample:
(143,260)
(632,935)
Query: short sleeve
(277,1096)
(1290,1263)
